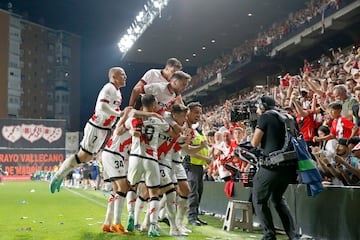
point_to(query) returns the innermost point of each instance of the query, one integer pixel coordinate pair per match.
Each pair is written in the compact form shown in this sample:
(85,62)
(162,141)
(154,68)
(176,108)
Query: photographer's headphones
(266,102)
(262,105)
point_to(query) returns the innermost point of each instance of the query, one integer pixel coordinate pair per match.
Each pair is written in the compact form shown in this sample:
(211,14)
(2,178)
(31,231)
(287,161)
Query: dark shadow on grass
(111,236)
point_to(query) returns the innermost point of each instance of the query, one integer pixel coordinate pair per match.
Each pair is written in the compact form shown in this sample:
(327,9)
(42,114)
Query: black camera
(239,114)
(244,111)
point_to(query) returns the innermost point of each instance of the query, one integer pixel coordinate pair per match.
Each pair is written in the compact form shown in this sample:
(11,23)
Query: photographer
(271,181)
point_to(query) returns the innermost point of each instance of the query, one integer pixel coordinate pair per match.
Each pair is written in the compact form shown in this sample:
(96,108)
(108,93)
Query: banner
(26,162)
(30,145)
(31,133)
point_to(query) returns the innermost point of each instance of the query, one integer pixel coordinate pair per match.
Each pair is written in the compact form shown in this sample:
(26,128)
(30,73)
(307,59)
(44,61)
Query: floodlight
(143,20)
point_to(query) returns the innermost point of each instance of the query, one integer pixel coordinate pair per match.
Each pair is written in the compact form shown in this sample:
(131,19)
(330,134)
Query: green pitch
(29,211)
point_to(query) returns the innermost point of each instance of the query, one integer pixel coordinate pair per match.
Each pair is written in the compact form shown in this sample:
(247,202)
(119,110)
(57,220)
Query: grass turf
(29,211)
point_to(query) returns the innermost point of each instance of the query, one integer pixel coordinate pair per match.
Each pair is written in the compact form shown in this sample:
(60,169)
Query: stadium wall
(332,214)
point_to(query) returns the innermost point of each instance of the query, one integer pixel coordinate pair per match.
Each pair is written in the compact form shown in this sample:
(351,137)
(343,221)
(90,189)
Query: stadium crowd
(262,44)
(324,98)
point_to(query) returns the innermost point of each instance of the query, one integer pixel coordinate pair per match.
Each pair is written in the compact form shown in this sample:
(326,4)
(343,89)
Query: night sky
(101,24)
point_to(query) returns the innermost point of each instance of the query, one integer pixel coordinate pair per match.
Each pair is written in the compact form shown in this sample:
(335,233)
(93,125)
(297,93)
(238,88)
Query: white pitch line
(91,200)
(87,198)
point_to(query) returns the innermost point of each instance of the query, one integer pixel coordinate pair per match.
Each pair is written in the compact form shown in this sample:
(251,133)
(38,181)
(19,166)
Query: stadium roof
(186,26)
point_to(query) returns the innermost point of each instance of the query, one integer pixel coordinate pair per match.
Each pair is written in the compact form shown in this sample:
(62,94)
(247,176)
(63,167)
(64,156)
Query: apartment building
(39,71)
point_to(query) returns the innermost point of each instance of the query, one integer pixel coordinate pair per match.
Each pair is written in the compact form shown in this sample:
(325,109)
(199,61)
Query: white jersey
(165,148)
(223,172)
(146,145)
(178,172)
(119,144)
(163,94)
(180,143)
(115,156)
(154,76)
(112,96)
(225,151)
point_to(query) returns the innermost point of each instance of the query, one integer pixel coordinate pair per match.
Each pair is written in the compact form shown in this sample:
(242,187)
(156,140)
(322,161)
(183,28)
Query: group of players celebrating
(144,149)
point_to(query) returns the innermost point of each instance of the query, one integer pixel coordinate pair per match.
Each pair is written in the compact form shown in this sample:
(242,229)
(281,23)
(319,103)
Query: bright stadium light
(140,16)
(142,21)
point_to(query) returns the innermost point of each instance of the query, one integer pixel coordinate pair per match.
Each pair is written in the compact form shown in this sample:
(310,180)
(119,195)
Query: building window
(49,108)
(13,64)
(50,59)
(51,46)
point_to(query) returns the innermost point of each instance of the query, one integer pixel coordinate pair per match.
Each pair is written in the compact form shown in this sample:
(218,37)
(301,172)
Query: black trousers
(271,183)
(195,178)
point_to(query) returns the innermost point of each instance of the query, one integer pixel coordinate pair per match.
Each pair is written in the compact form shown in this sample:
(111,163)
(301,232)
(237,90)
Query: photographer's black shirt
(274,132)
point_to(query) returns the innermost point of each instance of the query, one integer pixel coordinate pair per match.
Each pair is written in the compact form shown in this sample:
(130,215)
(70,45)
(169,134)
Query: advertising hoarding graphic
(27,162)
(72,142)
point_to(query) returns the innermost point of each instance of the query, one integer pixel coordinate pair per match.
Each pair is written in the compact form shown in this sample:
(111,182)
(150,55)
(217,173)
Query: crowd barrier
(333,214)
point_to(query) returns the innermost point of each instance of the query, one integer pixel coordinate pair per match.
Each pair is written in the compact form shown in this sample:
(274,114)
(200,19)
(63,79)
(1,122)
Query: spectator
(327,147)
(305,121)
(341,94)
(86,176)
(341,127)
(329,168)
(348,166)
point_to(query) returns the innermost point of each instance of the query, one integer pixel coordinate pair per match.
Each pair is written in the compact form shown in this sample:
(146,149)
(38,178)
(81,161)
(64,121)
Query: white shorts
(165,176)
(139,167)
(178,171)
(115,167)
(93,138)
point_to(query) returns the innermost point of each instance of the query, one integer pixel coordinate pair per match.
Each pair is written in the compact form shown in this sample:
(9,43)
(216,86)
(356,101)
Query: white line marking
(87,198)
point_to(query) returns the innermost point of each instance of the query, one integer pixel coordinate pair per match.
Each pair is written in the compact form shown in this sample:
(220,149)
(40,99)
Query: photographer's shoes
(202,222)
(194,222)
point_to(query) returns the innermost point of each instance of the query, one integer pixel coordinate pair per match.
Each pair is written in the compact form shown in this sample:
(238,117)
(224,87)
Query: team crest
(51,134)
(32,132)
(11,133)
